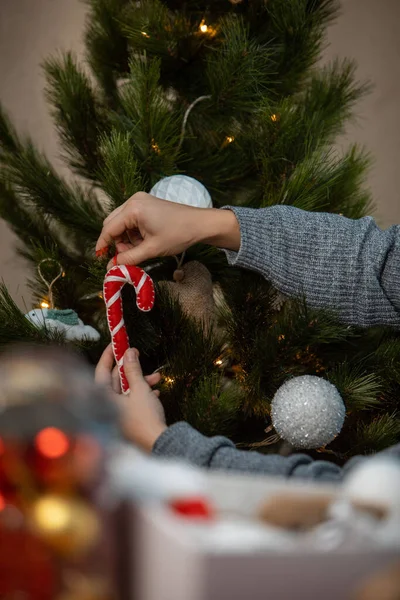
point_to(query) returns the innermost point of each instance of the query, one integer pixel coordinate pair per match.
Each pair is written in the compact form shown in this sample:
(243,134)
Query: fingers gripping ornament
(114,281)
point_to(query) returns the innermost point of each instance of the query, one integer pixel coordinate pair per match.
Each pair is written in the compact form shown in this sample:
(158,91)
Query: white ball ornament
(182,190)
(307,412)
(376,480)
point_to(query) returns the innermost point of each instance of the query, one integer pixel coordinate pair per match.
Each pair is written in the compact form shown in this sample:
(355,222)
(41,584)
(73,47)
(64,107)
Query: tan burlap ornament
(193,288)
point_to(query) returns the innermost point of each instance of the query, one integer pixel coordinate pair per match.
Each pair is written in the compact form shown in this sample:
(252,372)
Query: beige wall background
(367,30)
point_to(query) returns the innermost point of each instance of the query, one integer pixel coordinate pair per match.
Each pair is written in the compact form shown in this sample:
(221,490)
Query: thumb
(132,368)
(136,255)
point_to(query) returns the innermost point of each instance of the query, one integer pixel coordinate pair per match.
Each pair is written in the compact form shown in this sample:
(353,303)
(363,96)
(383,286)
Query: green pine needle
(359,390)
(379,434)
(211,408)
(238,69)
(120,174)
(79,117)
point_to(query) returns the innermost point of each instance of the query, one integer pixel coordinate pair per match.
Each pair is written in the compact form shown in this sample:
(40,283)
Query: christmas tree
(228,93)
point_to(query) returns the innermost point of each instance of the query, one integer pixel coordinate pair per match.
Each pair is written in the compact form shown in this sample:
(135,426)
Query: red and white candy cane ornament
(114,281)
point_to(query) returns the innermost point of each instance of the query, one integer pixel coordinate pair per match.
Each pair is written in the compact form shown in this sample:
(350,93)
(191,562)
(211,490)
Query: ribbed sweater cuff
(249,255)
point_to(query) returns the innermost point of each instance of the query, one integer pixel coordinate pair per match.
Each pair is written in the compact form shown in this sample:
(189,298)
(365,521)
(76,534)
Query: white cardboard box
(171,565)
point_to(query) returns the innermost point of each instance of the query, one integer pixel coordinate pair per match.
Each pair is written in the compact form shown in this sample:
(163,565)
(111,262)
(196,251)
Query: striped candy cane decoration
(114,281)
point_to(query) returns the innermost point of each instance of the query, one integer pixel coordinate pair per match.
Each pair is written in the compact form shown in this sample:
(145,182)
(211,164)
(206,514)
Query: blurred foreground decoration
(55,530)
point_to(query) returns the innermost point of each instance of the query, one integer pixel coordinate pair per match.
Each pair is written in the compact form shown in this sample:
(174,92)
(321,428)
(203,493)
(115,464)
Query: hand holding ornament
(142,416)
(146,227)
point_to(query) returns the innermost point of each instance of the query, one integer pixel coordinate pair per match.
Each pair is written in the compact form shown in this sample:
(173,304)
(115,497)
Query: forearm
(350,266)
(183,442)
(218,228)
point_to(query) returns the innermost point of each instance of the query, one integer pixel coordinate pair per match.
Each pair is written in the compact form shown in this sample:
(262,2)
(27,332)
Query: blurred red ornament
(52,442)
(193,508)
(2,503)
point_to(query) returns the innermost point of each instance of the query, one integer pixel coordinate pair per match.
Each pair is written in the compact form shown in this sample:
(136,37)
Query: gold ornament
(193,288)
(68,525)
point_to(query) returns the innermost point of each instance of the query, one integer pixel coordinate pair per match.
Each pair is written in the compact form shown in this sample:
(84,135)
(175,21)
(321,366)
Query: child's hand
(142,414)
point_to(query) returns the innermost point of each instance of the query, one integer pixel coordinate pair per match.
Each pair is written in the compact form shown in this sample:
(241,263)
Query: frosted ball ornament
(307,412)
(182,190)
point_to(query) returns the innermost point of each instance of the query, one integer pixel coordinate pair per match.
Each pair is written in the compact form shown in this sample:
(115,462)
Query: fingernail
(102,252)
(131,355)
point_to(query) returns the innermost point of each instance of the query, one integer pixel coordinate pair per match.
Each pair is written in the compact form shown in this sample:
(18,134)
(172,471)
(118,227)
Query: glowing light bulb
(169,380)
(144,34)
(52,442)
(155,146)
(203,27)
(44,304)
(218,362)
(230,139)
(274,118)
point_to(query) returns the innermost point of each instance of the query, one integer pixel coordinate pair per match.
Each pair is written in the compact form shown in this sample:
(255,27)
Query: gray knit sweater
(350,266)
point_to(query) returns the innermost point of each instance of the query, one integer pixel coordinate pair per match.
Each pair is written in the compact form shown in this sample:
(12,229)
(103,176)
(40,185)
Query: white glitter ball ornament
(182,190)
(308,412)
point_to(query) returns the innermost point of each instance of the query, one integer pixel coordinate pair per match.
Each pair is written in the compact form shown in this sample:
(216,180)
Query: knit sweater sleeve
(350,266)
(181,441)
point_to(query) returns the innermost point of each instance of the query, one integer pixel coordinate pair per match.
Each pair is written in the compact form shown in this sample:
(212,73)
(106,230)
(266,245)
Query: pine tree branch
(14,327)
(329,184)
(213,408)
(296,32)
(381,433)
(294,130)
(359,389)
(79,117)
(38,236)
(120,174)
(107,46)
(21,220)
(147,117)
(149,29)
(34,179)
(238,70)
